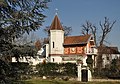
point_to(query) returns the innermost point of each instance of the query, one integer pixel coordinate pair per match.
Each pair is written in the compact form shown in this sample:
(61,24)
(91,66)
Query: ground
(55,81)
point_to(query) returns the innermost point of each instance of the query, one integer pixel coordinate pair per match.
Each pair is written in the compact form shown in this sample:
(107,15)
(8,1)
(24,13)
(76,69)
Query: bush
(54,69)
(5,70)
(70,69)
(47,69)
(20,70)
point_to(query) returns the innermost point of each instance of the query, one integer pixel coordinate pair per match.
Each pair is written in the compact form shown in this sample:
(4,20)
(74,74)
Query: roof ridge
(78,35)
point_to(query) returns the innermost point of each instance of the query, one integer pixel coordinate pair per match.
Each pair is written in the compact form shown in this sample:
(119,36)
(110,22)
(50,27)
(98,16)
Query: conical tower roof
(56,25)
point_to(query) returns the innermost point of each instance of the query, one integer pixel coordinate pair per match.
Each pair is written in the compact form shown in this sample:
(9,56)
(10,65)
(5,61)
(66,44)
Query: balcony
(92,51)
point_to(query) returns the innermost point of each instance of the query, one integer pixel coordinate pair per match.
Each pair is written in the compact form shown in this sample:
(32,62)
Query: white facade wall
(107,58)
(46,50)
(56,59)
(87,48)
(30,60)
(56,39)
(79,68)
(73,61)
(84,60)
(56,45)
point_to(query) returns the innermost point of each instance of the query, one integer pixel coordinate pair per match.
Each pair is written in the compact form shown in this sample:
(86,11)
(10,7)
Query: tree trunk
(99,60)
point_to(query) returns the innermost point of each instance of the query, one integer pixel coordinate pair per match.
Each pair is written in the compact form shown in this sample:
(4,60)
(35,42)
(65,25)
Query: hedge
(54,69)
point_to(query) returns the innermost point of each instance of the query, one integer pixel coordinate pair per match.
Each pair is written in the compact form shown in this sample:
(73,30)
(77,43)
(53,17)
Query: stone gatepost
(89,75)
(81,74)
(79,71)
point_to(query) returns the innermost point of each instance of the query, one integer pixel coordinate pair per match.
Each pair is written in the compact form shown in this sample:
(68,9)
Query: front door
(84,77)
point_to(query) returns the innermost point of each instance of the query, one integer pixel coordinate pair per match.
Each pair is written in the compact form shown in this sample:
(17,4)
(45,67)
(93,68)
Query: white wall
(84,60)
(110,56)
(56,59)
(56,36)
(46,52)
(30,60)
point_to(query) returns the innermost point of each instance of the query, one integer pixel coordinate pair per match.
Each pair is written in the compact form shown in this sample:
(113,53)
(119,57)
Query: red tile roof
(70,40)
(56,25)
(108,50)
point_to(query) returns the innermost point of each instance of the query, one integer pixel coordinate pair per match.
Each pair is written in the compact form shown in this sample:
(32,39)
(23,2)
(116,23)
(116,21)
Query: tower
(56,41)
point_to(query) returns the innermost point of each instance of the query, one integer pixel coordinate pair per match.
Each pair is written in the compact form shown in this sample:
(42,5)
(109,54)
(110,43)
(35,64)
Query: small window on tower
(53,44)
(53,59)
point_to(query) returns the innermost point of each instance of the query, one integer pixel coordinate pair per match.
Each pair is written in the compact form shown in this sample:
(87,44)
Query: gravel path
(106,80)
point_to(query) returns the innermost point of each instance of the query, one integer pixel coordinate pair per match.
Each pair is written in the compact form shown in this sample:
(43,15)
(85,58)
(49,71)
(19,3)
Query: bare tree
(88,28)
(106,27)
(46,30)
(67,30)
(38,44)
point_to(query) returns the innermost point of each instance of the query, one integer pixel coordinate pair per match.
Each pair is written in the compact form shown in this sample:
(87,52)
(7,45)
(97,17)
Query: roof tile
(56,25)
(70,40)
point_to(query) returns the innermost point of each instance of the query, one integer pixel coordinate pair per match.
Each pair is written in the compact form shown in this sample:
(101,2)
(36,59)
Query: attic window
(91,38)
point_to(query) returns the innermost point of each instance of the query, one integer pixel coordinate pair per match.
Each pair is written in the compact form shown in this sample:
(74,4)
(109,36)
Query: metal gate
(84,77)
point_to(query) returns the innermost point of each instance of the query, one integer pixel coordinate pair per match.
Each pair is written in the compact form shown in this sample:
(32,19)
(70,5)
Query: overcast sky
(74,13)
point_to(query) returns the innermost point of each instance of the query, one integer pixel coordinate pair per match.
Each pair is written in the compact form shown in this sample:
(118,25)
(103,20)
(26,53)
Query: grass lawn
(40,81)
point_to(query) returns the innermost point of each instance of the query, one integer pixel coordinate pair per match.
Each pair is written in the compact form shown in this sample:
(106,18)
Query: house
(108,54)
(62,49)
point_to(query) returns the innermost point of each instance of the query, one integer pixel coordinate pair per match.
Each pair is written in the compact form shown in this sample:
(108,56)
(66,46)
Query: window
(91,38)
(107,58)
(53,59)
(53,44)
(92,50)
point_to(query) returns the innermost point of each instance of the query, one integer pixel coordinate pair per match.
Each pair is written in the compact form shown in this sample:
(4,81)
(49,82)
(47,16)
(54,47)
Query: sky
(74,13)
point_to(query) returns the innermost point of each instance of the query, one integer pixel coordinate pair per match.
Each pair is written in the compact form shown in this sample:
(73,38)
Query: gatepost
(79,68)
(79,71)
(84,74)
